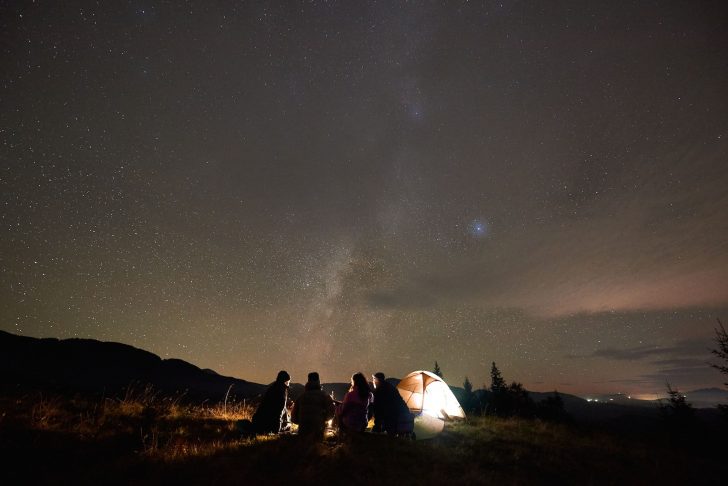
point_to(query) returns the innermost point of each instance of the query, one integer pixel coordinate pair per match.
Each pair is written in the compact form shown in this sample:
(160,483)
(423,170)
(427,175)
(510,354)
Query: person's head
(378,379)
(360,385)
(314,382)
(283,378)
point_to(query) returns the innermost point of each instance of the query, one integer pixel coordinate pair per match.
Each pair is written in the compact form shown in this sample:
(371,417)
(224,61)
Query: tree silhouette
(497,383)
(468,395)
(508,400)
(437,370)
(518,402)
(499,400)
(467,385)
(679,415)
(677,401)
(721,338)
(552,408)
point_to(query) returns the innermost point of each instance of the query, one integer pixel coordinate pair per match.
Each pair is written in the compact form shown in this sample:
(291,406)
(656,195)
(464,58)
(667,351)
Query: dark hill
(94,366)
(707,397)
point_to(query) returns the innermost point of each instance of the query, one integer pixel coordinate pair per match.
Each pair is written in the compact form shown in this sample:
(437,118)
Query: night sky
(346,186)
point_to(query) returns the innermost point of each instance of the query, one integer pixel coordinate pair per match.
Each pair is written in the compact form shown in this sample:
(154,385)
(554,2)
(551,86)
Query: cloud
(637,353)
(679,354)
(678,372)
(680,362)
(682,376)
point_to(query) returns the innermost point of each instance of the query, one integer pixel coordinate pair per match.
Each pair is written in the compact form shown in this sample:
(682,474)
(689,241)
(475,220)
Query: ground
(146,439)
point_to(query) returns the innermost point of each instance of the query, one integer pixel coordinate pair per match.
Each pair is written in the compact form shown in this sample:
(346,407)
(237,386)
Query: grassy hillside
(144,438)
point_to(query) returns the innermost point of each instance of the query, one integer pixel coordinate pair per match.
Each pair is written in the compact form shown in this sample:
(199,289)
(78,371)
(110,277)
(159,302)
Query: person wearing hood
(391,414)
(272,409)
(312,409)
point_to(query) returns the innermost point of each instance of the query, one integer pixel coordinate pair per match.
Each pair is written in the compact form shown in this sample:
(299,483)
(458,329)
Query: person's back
(354,409)
(391,414)
(385,407)
(267,417)
(312,409)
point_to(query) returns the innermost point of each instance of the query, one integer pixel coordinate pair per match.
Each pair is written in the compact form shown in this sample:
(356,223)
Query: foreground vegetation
(143,438)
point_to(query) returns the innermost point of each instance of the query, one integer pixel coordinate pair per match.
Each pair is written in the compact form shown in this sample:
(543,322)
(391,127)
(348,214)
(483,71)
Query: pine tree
(721,337)
(679,415)
(517,401)
(497,383)
(468,395)
(552,408)
(467,386)
(498,402)
(437,370)
(677,401)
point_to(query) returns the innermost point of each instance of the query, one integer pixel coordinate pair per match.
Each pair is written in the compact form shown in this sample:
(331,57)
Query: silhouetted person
(391,414)
(312,409)
(354,410)
(272,408)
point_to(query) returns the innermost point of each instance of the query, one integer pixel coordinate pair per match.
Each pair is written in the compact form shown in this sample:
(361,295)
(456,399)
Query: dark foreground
(151,440)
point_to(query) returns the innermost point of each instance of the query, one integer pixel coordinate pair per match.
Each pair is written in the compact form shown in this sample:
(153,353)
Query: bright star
(478,228)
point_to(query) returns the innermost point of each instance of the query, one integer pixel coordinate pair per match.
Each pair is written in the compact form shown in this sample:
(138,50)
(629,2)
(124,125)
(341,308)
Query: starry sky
(346,186)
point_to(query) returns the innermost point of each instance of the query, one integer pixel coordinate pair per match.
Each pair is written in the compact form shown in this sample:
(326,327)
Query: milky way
(345,186)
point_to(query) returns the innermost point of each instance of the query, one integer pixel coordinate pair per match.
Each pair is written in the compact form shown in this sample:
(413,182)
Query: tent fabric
(427,426)
(426,393)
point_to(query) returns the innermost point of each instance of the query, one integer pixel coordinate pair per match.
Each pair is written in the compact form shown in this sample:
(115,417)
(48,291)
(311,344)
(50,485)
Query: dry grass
(145,438)
(157,426)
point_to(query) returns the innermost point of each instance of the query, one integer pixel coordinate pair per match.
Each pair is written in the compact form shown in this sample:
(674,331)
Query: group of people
(314,408)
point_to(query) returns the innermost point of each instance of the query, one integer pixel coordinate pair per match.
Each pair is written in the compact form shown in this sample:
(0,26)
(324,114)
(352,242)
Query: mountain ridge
(90,365)
(108,366)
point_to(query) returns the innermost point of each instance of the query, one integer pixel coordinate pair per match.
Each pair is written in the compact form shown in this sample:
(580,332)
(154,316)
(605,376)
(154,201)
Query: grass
(144,438)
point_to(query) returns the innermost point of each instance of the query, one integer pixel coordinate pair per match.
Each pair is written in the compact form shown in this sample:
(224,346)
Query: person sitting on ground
(271,412)
(312,409)
(391,414)
(354,410)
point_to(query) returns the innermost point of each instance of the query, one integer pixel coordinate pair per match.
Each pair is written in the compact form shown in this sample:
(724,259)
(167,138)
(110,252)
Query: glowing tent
(431,400)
